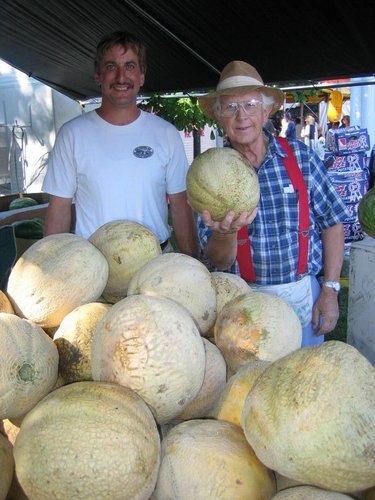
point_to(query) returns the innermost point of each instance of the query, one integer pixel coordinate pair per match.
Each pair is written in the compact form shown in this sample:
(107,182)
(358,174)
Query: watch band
(332,284)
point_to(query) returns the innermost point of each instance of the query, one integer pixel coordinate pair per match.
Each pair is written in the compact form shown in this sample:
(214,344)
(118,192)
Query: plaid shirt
(274,231)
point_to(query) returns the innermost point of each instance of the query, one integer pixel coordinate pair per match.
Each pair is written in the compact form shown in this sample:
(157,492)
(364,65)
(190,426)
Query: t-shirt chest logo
(143,152)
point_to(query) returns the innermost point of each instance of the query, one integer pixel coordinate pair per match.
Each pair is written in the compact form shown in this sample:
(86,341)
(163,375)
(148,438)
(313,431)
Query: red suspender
(244,257)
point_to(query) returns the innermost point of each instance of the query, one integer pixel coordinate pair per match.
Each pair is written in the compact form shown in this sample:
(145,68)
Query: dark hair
(126,40)
(346,117)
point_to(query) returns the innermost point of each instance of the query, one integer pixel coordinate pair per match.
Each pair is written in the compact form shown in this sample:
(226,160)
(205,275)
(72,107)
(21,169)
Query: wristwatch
(332,284)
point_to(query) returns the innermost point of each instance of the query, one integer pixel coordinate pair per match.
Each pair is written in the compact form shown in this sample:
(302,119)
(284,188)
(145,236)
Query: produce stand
(8,217)
(361,301)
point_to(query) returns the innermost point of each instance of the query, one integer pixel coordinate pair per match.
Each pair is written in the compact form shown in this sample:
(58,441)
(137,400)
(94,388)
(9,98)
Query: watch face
(333,284)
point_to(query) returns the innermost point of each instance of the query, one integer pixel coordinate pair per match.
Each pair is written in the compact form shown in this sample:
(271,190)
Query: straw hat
(239,77)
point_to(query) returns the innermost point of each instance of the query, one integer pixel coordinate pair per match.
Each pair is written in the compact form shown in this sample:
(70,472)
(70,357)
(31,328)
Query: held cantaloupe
(311,417)
(127,246)
(29,365)
(73,341)
(153,346)
(222,179)
(210,460)
(256,325)
(54,276)
(183,279)
(88,440)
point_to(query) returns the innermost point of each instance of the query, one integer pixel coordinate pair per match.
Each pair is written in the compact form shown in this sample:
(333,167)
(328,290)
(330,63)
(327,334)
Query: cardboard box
(350,163)
(348,140)
(351,187)
(22,244)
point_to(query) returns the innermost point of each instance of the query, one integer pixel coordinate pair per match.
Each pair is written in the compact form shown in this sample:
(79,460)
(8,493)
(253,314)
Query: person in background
(345,121)
(270,127)
(284,126)
(298,128)
(290,132)
(309,132)
(292,237)
(119,162)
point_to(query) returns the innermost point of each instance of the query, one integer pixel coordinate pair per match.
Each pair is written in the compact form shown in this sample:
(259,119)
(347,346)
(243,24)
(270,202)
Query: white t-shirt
(118,172)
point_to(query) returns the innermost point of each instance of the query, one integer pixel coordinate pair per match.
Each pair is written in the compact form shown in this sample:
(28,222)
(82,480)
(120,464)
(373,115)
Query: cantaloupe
(222,179)
(183,279)
(230,404)
(88,440)
(5,304)
(310,416)
(127,246)
(54,276)
(11,429)
(309,493)
(152,345)
(73,341)
(210,460)
(228,286)
(29,365)
(215,376)
(256,326)
(6,466)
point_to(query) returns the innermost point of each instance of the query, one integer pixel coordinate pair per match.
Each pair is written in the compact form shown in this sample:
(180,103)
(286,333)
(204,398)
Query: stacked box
(348,140)
(350,175)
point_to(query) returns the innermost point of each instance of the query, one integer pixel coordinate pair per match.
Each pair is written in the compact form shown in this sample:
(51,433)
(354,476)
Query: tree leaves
(184,112)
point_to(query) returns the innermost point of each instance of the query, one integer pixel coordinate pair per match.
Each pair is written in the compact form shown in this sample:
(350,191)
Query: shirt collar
(273,147)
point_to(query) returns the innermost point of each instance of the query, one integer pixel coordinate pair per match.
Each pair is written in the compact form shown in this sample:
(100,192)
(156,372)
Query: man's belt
(164,244)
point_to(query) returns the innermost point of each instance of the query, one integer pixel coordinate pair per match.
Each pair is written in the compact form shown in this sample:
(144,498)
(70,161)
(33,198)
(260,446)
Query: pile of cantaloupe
(182,384)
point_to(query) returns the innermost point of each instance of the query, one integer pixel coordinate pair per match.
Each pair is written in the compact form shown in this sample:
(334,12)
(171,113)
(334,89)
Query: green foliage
(183,112)
(303,95)
(340,331)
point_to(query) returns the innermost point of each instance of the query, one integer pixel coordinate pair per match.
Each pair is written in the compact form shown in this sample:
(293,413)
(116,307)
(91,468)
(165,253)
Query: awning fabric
(189,42)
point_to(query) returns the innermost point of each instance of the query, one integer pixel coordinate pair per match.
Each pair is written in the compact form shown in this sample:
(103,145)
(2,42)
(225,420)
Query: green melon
(25,201)
(366,212)
(220,180)
(31,229)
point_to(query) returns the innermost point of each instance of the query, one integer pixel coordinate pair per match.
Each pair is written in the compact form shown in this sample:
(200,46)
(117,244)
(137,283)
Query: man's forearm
(184,226)
(333,252)
(58,216)
(221,250)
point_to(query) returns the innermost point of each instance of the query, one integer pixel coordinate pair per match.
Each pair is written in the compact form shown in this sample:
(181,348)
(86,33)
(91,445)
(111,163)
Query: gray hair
(266,99)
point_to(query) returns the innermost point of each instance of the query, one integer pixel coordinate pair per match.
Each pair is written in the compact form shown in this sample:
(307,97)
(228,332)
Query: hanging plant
(184,112)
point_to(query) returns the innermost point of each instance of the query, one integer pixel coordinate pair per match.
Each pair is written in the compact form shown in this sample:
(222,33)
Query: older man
(296,232)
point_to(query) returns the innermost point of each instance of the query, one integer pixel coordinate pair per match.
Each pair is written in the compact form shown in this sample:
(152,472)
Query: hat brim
(207,101)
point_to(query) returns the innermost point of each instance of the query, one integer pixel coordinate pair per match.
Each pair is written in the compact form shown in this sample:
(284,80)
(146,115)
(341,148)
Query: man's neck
(119,116)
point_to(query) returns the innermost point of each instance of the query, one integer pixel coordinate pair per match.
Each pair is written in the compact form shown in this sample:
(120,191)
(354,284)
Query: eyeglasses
(249,107)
